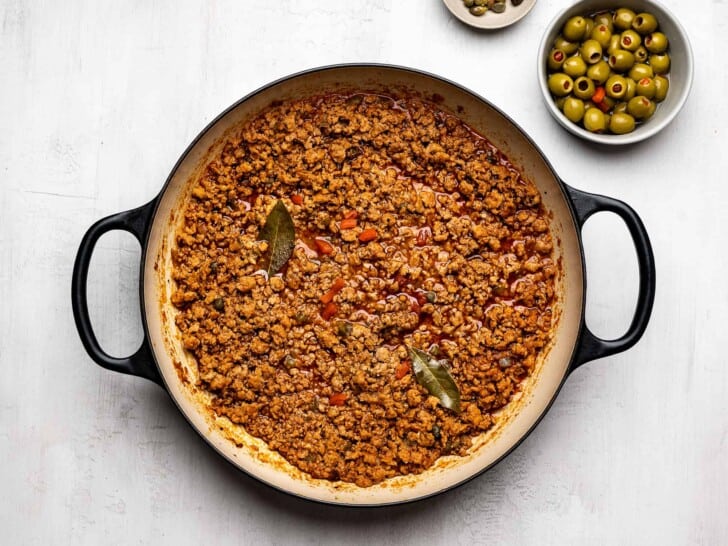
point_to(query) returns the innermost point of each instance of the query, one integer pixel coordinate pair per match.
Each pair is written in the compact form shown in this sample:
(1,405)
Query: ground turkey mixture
(411,230)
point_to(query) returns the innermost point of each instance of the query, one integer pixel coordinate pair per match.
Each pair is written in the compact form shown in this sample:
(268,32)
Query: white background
(99,98)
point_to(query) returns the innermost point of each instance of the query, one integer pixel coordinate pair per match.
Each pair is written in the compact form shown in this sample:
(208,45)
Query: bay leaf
(435,377)
(280,233)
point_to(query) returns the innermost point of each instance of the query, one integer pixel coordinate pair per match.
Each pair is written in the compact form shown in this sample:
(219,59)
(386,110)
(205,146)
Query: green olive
(556,59)
(574,28)
(583,88)
(639,107)
(662,85)
(588,29)
(481,3)
(640,54)
(478,10)
(499,6)
(560,84)
(565,45)
(613,44)
(601,34)
(656,42)
(560,102)
(616,87)
(619,108)
(646,87)
(573,109)
(660,62)
(594,120)
(621,60)
(591,51)
(630,40)
(621,123)
(599,72)
(631,89)
(650,111)
(640,70)
(644,23)
(604,18)
(469,3)
(574,66)
(623,18)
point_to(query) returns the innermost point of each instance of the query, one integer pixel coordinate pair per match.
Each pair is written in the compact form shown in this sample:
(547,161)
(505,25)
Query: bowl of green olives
(615,72)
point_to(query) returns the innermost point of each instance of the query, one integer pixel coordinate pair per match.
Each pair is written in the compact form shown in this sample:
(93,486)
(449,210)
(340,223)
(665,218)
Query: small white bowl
(491,20)
(680,75)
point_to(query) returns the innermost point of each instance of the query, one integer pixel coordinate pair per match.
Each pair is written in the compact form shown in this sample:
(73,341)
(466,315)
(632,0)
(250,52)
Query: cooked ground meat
(418,231)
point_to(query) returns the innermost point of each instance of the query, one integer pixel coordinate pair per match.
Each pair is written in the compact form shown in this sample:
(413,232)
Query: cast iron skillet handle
(591,347)
(141,363)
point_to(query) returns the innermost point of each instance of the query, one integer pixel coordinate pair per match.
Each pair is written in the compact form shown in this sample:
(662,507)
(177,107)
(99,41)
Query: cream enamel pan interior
(572,343)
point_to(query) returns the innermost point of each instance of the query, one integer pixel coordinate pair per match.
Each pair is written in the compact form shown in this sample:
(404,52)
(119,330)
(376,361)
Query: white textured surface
(98,100)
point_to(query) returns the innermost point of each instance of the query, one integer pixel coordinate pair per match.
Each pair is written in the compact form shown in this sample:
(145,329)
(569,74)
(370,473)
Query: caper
(431,297)
(499,7)
(478,10)
(344,328)
(213,267)
(218,304)
(290,362)
(436,432)
(301,317)
(560,84)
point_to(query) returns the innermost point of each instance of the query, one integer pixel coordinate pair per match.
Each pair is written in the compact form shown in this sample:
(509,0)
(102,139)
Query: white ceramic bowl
(680,75)
(491,20)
